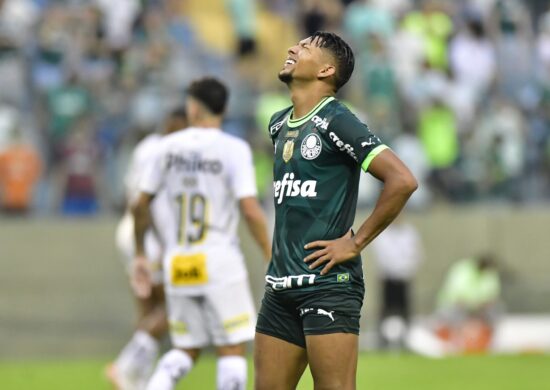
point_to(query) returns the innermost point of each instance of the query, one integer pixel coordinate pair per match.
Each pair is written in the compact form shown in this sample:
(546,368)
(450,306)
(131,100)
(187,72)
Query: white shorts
(126,244)
(223,315)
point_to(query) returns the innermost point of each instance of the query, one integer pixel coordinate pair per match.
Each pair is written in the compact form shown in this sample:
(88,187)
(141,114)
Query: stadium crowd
(459,89)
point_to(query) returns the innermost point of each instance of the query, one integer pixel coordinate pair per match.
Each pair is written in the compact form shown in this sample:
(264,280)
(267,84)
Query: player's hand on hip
(140,277)
(332,252)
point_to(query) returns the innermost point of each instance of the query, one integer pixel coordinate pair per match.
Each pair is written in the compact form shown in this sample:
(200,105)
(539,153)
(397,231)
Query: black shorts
(291,315)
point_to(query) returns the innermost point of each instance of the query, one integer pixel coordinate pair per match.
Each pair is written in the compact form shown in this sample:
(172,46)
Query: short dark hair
(211,92)
(342,53)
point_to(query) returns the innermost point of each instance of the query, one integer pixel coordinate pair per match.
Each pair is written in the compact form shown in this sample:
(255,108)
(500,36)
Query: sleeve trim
(373,153)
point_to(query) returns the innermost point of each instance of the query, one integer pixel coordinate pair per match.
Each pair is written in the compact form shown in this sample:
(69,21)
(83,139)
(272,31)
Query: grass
(375,372)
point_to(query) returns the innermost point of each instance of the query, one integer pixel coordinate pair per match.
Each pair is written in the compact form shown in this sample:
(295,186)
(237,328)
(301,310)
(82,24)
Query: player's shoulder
(147,146)
(278,119)
(173,138)
(148,141)
(233,143)
(337,111)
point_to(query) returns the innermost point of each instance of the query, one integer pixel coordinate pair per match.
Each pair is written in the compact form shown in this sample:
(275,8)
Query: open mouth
(290,61)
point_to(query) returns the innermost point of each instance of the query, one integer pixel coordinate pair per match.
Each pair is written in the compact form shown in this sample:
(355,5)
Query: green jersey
(318,159)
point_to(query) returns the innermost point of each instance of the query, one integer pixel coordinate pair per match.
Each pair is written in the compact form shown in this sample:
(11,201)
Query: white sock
(232,372)
(173,366)
(136,361)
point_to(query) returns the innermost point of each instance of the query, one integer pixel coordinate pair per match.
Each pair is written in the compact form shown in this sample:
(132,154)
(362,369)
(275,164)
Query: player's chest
(300,146)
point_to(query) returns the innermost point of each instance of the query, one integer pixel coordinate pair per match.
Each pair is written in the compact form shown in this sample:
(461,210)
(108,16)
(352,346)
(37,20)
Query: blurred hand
(332,252)
(140,277)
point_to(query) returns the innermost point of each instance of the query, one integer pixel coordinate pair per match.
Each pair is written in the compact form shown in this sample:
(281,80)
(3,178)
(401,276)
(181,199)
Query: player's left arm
(399,184)
(141,211)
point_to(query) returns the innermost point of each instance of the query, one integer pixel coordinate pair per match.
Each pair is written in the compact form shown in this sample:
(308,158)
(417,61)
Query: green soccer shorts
(292,314)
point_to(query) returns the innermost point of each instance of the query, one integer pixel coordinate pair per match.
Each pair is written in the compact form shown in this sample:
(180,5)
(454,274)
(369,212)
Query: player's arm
(149,185)
(398,185)
(141,212)
(243,182)
(257,223)
(141,277)
(354,139)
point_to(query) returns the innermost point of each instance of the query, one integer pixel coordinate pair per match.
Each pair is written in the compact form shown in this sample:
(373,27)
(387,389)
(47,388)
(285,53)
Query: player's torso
(203,242)
(315,187)
(197,187)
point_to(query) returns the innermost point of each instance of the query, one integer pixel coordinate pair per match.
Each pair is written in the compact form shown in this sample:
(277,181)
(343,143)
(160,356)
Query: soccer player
(135,363)
(208,176)
(314,284)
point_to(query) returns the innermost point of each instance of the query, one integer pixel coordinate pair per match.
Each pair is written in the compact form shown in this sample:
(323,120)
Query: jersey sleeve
(242,175)
(153,173)
(352,137)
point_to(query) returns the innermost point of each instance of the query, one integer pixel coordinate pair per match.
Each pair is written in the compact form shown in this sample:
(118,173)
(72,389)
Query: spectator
(500,142)
(434,27)
(20,169)
(472,59)
(543,49)
(397,251)
(79,170)
(513,34)
(437,129)
(468,303)
(243,13)
(411,151)
(118,20)
(66,105)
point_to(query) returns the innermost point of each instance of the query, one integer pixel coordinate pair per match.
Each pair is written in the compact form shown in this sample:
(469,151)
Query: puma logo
(323,312)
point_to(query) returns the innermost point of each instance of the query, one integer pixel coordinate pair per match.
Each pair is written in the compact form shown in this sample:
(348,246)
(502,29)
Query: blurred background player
(207,176)
(469,304)
(397,251)
(135,362)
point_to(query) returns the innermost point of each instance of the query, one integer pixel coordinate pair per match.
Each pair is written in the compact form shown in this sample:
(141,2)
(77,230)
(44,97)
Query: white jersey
(143,155)
(204,172)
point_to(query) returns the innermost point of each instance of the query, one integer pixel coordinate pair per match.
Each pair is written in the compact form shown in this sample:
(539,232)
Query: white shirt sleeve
(153,174)
(241,171)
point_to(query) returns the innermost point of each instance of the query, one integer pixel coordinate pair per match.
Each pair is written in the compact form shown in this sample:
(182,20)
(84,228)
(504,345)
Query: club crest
(311,147)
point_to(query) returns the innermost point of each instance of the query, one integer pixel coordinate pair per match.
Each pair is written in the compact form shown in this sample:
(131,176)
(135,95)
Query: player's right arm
(140,278)
(149,185)
(354,140)
(243,183)
(257,223)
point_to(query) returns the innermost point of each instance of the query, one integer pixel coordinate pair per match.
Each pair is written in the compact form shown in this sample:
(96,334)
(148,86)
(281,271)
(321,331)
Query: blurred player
(136,361)
(208,176)
(314,291)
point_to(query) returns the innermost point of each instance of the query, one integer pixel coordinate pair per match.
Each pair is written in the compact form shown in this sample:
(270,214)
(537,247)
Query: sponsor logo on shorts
(290,281)
(237,322)
(288,187)
(178,327)
(318,311)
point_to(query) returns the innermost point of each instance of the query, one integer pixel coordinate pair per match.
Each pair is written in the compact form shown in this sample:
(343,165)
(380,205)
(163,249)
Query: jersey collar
(300,121)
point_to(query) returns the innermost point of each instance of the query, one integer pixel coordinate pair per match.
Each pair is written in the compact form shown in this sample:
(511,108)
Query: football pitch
(375,372)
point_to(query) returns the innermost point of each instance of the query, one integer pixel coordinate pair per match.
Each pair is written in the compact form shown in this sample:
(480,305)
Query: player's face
(304,61)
